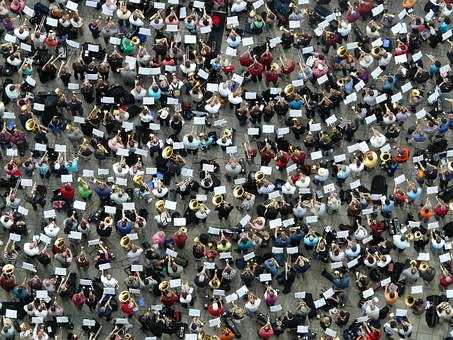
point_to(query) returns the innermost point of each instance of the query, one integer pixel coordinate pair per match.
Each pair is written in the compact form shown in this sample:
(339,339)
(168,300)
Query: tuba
(217,200)
(423,266)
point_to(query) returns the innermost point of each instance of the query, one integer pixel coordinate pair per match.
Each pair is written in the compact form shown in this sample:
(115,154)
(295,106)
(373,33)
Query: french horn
(164,286)
(289,90)
(31,125)
(159,205)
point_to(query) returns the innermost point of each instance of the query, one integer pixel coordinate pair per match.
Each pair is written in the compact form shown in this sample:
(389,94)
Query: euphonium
(167,152)
(217,200)
(135,40)
(376,52)
(124,296)
(126,243)
(410,300)
(238,191)
(214,283)
(108,220)
(385,157)
(413,264)
(259,176)
(418,235)
(409,236)
(194,204)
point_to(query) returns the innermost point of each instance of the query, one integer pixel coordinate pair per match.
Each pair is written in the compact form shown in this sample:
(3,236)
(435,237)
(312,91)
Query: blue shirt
(387,208)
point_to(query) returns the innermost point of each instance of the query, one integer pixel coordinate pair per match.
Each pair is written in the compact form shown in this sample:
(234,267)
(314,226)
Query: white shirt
(109,283)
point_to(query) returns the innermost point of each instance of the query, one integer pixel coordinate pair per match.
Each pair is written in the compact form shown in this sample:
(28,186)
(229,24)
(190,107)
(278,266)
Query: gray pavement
(311,282)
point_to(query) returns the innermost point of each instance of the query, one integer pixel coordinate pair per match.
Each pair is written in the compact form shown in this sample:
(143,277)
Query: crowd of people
(185,168)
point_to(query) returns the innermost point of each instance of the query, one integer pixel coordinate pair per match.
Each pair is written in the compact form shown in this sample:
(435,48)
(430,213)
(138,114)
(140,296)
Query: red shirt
(216,313)
(256,69)
(127,309)
(266,58)
(180,239)
(272,76)
(299,159)
(374,335)
(282,160)
(67,192)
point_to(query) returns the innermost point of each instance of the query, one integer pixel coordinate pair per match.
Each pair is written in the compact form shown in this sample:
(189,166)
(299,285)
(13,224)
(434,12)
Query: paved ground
(312,282)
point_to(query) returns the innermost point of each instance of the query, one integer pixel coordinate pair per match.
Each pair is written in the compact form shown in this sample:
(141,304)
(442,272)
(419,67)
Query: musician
(223,210)
(248,201)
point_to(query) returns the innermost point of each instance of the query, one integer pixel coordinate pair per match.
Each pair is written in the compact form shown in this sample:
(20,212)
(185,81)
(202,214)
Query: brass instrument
(108,220)
(135,40)
(259,177)
(289,90)
(62,285)
(385,157)
(409,301)
(167,152)
(126,243)
(342,51)
(226,134)
(194,205)
(413,264)
(214,283)
(217,200)
(409,236)
(60,244)
(159,205)
(377,52)
(23,104)
(418,235)
(124,296)
(8,269)
(238,192)
(164,286)
(423,266)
